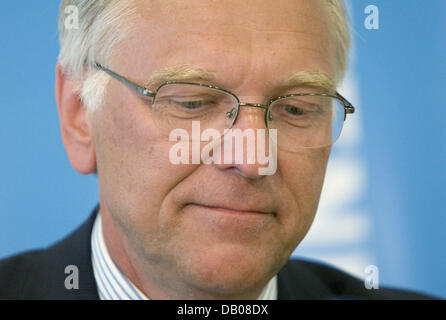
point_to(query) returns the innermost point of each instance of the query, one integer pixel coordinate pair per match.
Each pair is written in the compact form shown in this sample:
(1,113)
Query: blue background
(401,70)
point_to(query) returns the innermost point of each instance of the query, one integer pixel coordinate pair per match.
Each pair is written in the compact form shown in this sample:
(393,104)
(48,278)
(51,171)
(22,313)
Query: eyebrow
(314,79)
(182,73)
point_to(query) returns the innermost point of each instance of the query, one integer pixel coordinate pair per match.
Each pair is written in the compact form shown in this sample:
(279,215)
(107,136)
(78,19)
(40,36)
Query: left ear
(74,125)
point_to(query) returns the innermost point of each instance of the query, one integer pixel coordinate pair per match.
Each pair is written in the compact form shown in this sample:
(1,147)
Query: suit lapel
(75,250)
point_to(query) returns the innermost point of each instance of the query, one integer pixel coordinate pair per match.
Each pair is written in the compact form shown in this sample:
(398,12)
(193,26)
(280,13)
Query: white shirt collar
(112,284)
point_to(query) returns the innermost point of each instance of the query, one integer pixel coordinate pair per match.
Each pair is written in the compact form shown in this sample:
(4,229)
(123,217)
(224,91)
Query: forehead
(240,40)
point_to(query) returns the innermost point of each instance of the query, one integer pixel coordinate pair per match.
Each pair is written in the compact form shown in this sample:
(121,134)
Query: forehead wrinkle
(182,72)
(314,79)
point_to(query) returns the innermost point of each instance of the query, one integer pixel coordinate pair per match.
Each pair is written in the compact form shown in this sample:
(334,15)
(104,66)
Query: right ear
(74,125)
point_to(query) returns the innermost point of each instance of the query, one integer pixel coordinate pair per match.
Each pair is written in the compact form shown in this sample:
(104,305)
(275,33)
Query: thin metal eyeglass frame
(348,107)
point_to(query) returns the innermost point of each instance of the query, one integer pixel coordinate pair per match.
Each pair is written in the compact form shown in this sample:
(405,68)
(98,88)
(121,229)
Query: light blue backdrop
(398,74)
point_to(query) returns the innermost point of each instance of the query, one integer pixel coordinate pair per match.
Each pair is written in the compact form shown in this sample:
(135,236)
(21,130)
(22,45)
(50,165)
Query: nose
(251,116)
(245,145)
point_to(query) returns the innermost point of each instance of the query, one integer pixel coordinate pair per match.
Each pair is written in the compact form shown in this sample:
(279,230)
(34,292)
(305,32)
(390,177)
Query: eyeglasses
(302,120)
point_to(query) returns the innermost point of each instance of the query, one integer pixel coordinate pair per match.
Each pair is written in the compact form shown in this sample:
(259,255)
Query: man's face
(214,229)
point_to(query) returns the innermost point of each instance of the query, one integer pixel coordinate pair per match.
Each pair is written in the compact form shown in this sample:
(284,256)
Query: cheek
(302,177)
(132,160)
(304,170)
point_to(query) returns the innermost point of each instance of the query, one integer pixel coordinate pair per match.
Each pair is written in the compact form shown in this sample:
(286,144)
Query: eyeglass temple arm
(349,108)
(125,81)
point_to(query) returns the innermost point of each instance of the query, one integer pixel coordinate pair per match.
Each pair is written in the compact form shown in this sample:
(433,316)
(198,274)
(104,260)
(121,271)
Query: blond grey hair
(341,34)
(103,24)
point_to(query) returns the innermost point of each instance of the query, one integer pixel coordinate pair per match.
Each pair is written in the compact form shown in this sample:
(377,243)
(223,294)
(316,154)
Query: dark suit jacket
(40,274)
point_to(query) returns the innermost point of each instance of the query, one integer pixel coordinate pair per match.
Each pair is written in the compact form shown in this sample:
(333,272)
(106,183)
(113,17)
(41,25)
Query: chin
(229,271)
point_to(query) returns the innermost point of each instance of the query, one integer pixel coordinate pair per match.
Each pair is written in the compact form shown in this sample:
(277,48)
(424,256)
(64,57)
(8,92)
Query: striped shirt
(112,284)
